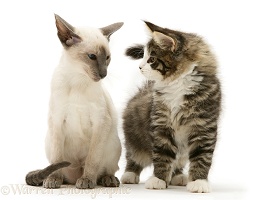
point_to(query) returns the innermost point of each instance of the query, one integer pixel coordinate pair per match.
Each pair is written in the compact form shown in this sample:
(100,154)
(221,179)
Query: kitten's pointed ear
(164,41)
(153,27)
(66,32)
(109,30)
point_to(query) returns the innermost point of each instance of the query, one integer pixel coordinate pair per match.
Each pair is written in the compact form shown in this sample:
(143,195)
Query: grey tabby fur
(173,118)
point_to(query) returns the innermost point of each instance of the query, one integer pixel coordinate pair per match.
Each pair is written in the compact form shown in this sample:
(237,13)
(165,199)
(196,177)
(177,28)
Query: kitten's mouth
(96,79)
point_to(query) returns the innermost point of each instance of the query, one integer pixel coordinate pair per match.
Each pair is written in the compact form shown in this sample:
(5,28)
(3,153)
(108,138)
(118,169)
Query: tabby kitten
(173,118)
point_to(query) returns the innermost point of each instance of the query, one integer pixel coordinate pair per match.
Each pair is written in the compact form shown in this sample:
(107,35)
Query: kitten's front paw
(198,186)
(85,183)
(109,181)
(155,183)
(180,180)
(52,182)
(130,178)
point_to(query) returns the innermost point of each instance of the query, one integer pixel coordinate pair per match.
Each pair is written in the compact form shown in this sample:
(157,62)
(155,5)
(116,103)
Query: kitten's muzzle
(103,74)
(142,65)
(102,68)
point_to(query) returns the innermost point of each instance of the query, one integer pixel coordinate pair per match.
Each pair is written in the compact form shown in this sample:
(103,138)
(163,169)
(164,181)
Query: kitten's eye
(108,57)
(153,53)
(151,60)
(92,56)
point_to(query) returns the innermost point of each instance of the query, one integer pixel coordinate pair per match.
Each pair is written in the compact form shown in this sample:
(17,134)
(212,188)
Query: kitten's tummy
(177,119)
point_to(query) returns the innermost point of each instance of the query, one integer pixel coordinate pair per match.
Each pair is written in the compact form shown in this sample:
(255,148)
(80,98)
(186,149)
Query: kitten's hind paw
(180,180)
(199,186)
(52,182)
(85,183)
(155,183)
(130,178)
(109,181)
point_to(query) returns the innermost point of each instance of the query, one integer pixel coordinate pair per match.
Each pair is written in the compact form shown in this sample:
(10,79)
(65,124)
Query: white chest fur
(172,95)
(79,107)
(173,92)
(76,103)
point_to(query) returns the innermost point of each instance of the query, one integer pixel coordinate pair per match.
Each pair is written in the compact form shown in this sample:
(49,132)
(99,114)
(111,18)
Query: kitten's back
(136,117)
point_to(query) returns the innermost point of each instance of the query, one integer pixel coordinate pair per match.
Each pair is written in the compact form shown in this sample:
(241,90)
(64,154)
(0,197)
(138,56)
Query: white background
(30,50)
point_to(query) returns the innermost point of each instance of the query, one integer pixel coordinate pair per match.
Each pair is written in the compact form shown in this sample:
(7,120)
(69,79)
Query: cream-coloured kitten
(82,117)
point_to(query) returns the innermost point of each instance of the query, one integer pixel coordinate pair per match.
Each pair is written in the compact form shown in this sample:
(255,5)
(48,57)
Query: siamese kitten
(173,119)
(82,118)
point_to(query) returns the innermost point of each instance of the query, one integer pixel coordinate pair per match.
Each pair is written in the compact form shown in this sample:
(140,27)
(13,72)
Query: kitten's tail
(135,52)
(36,177)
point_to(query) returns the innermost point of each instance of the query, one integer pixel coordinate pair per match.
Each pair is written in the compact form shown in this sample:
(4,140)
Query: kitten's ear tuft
(109,30)
(135,52)
(164,41)
(65,32)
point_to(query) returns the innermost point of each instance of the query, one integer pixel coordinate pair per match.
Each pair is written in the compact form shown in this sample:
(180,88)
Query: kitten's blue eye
(92,56)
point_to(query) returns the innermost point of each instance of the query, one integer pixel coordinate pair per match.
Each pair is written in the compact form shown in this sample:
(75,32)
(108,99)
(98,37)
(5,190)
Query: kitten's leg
(109,181)
(54,148)
(132,171)
(107,178)
(96,152)
(164,154)
(163,166)
(178,178)
(54,180)
(202,145)
(164,147)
